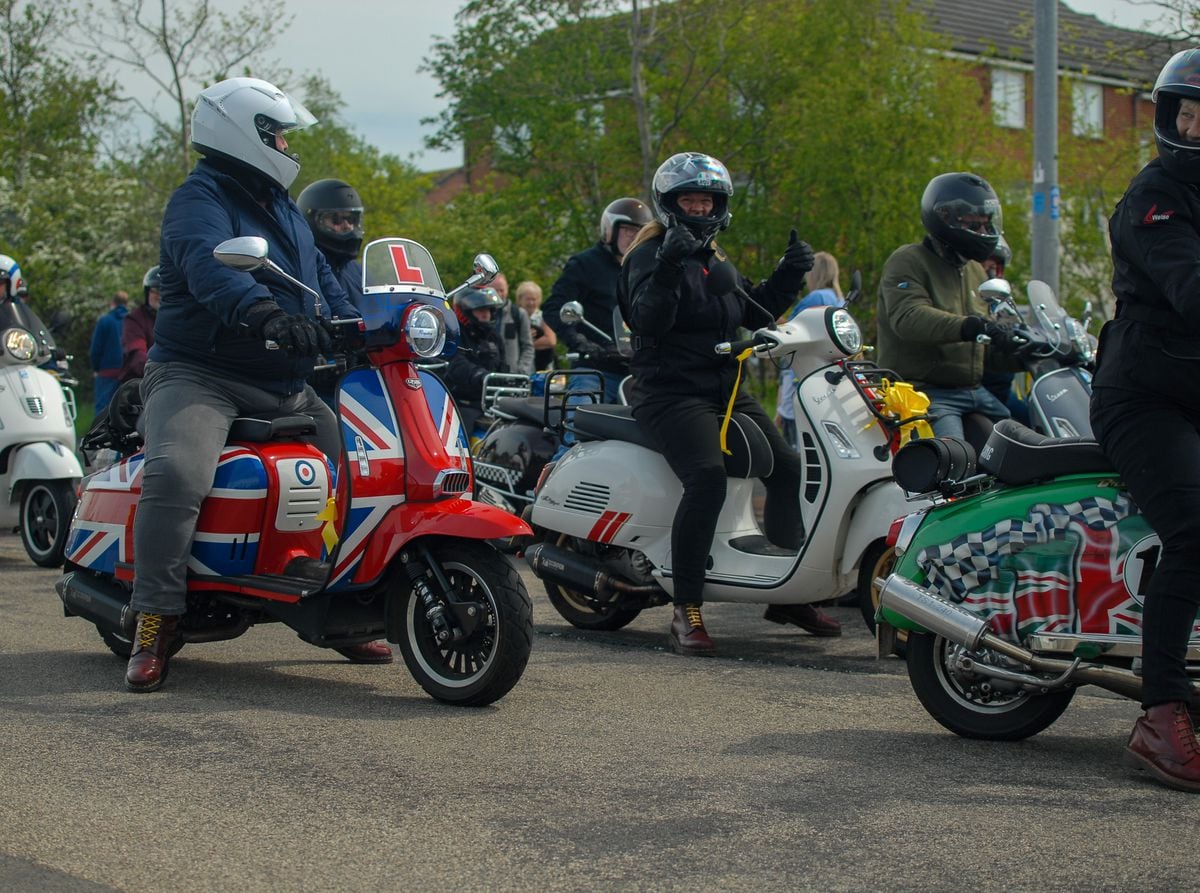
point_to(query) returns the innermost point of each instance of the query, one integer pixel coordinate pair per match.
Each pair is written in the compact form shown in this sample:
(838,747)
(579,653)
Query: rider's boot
(688,635)
(1164,744)
(147,668)
(808,617)
(367,653)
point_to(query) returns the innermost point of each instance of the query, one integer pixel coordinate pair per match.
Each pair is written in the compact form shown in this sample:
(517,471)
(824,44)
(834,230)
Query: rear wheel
(579,609)
(484,665)
(117,643)
(975,705)
(46,509)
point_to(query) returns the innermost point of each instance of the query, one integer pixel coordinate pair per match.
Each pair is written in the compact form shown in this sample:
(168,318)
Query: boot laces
(148,627)
(695,621)
(1186,732)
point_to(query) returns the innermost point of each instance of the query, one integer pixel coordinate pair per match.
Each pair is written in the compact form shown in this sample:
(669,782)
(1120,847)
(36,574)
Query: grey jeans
(187,416)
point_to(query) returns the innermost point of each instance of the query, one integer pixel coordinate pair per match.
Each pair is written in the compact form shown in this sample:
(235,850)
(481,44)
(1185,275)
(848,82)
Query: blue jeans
(104,390)
(947,406)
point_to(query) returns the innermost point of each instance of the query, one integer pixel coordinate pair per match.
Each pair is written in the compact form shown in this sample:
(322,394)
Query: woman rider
(681,296)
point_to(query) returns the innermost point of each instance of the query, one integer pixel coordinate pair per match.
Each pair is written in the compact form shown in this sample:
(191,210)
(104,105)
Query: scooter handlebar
(760,339)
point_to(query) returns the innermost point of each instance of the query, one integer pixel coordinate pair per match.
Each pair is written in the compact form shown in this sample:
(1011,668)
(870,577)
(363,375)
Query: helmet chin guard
(693,172)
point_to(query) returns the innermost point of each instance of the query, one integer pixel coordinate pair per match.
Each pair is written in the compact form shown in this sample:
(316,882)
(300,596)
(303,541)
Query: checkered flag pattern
(972,559)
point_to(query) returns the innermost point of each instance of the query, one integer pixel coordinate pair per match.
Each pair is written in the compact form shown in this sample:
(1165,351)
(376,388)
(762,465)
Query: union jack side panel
(101,532)
(449,424)
(375,465)
(231,518)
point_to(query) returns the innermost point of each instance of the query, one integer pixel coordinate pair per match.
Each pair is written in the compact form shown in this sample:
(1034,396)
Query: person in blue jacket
(105,351)
(211,360)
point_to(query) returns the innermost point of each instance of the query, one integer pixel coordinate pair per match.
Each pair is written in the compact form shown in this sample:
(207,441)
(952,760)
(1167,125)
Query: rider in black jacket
(681,296)
(1146,409)
(480,351)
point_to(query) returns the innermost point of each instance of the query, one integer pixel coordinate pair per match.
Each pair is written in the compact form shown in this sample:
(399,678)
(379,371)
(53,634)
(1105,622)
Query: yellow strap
(329,515)
(741,358)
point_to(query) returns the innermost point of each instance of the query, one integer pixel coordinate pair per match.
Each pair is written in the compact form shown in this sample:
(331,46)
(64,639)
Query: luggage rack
(868,379)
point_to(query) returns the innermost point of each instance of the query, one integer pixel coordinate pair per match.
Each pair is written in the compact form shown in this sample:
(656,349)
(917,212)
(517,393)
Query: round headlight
(844,331)
(20,344)
(426,332)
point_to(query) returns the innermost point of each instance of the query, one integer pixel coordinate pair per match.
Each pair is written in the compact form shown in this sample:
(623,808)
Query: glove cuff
(972,328)
(260,314)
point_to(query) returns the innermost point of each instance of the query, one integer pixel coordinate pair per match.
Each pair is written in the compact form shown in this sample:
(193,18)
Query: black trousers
(1154,442)
(687,431)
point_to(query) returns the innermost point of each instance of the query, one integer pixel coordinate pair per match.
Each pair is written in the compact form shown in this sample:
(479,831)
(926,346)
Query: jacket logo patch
(1156,216)
(903,284)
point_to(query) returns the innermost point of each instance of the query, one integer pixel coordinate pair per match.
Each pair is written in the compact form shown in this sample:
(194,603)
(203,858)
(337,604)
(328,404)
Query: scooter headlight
(844,331)
(426,332)
(20,344)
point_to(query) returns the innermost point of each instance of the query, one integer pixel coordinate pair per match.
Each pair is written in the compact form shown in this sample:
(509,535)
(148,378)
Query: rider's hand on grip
(676,245)
(976,328)
(298,335)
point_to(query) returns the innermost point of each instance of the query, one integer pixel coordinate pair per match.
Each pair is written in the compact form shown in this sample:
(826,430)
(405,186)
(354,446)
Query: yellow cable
(741,358)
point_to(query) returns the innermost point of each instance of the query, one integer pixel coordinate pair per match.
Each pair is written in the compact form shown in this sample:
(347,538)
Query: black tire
(957,704)
(577,609)
(46,510)
(117,644)
(483,668)
(878,561)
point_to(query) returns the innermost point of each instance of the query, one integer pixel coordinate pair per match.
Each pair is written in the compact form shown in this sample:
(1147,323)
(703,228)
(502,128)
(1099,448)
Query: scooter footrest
(756,544)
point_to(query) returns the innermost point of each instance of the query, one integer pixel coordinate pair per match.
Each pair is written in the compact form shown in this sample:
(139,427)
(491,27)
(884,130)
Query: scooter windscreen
(396,274)
(19,315)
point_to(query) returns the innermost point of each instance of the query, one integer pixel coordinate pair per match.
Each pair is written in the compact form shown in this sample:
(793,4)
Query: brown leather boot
(367,653)
(688,635)
(808,617)
(1164,744)
(147,668)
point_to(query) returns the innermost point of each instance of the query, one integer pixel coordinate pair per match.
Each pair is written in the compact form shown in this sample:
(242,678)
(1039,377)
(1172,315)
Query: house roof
(1085,43)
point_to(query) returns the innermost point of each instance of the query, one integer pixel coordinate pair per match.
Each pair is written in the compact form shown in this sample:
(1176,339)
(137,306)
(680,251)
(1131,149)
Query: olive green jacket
(923,298)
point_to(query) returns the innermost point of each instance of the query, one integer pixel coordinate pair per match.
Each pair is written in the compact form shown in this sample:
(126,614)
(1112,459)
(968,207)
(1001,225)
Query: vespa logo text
(1052,397)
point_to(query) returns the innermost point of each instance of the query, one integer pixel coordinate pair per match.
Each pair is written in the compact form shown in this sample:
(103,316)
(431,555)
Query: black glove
(298,335)
(1001,337)
(789,272)
(676,245)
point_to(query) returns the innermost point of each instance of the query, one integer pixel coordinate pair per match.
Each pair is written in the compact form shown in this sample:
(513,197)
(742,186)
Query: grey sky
(372,53)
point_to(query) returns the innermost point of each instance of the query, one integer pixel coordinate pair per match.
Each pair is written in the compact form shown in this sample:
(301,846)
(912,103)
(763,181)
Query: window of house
(1087,109)
(1008,97)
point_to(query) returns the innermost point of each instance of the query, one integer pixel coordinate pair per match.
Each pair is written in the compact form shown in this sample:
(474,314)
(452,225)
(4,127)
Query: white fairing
(36,429)
(626,495)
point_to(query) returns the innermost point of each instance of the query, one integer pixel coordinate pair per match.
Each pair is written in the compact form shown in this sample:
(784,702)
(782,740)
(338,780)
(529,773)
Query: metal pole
(1044,254)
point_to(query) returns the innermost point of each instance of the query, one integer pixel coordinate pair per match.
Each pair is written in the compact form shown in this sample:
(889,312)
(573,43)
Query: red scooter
(387,544)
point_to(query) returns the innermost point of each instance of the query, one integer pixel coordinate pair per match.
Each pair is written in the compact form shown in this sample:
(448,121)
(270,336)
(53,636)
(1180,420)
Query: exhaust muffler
(103,603)
(579,572)
(961,627)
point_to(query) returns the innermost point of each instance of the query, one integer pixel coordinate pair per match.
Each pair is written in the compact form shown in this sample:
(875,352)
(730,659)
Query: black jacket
(678,320)
(589,277)
(480,351)
(1153,344)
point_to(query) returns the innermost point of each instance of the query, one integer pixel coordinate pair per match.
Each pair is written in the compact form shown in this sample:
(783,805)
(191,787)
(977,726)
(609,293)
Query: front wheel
(46,510)
(975,705)
(484,665)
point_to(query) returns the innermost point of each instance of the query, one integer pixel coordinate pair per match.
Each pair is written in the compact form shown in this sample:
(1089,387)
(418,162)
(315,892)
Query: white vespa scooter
(605,509)
(39,472)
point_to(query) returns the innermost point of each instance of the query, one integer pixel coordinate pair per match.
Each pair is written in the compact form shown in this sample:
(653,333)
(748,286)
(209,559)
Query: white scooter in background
(39,473)
(606,508)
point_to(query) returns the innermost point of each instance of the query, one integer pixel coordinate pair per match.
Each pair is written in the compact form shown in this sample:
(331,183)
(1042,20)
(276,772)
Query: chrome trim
(1110,646)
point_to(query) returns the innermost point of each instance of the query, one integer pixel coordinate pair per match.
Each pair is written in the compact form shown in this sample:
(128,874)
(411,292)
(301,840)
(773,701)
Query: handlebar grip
(726,348)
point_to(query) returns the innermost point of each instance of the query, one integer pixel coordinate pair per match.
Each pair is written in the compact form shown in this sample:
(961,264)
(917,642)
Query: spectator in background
(512,322)
(823,291)
(106,353)
(137,332)
(529,299)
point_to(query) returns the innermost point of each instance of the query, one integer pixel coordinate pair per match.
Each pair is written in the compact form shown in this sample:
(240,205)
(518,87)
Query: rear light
(893,533)
(546,469)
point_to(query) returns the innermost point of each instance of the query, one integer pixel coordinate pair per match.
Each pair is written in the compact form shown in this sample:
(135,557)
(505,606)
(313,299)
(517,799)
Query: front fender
(880,505)
(44,460)
(461,518)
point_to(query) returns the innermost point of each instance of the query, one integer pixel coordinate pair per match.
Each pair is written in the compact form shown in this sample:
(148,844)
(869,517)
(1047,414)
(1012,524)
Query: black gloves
(789,272)
(1002,338)
(298,335)
(676,245)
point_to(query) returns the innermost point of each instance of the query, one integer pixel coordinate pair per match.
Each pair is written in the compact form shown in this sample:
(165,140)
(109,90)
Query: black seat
(528,409)
(261,430)
(751,452)
(1018,455)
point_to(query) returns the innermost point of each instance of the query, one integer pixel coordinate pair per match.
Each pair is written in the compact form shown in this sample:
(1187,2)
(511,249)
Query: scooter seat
(751,455)
(251,430)
(528,409)
(1018,455)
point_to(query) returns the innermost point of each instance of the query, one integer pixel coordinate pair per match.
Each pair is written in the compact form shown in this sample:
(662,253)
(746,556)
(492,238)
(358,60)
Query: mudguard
(881,504)
(43,461)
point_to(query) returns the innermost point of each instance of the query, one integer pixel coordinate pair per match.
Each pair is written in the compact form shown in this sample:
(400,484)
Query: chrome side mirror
(571,313)
(997,293)
(486,267)
(245,253)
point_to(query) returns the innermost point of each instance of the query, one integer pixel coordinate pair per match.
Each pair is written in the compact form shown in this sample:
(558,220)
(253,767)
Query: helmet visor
(983,219)
(340,221)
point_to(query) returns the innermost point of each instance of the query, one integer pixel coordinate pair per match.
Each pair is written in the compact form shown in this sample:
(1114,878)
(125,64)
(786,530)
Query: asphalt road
(786,762)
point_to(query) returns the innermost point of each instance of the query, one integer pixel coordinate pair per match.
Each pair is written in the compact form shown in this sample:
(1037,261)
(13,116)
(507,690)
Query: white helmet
(10,276)
(239,117)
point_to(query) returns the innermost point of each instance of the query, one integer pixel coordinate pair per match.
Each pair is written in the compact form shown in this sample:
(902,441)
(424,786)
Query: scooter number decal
(1139,566)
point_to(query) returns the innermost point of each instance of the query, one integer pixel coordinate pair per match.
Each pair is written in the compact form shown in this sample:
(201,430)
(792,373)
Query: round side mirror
(245,253)
(571,313)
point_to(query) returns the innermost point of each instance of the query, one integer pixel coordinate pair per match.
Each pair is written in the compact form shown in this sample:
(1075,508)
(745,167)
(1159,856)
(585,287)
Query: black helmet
(628,211)
(693,172)
(152,279)
(951,197)
(1179,79)
(471,299)
(1002,255)
(329,205)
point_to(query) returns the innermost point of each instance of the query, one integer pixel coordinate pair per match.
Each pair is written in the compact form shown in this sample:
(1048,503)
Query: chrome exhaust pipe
(578,572)
(918,604)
